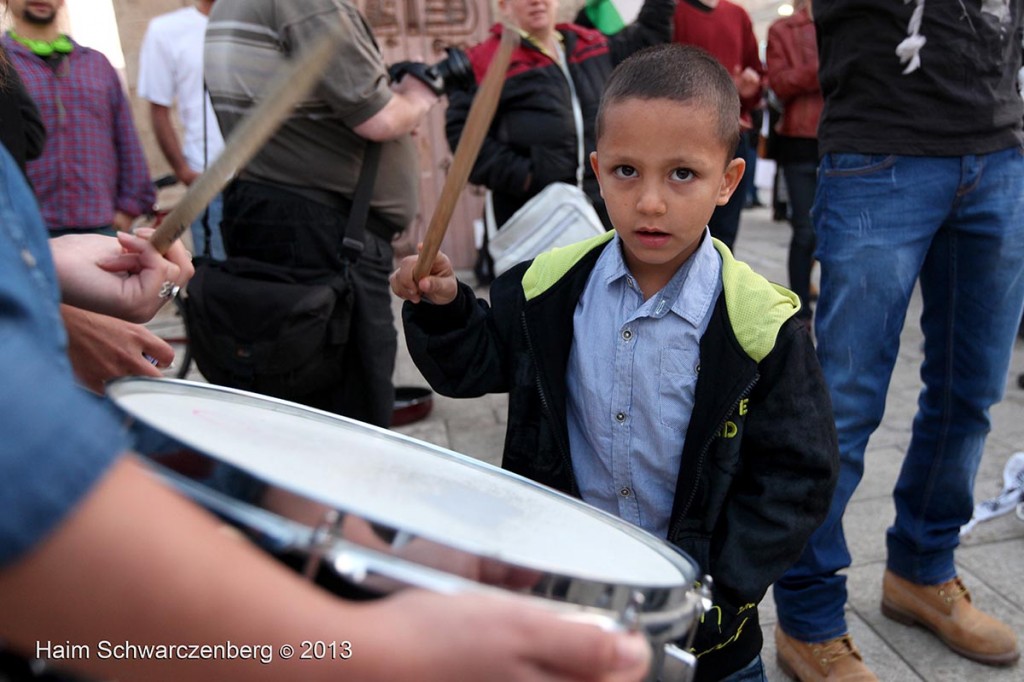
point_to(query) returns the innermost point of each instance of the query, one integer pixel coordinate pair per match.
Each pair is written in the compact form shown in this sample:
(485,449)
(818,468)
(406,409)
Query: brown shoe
(836,660)
(947,611)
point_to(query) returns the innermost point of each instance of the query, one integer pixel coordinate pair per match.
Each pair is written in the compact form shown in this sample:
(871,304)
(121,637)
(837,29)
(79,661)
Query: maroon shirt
(727,33)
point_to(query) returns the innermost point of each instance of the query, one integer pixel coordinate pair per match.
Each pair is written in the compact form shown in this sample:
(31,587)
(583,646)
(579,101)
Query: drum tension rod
(322,536)
(704,594)
(630,618)
(401,539)
(705,601)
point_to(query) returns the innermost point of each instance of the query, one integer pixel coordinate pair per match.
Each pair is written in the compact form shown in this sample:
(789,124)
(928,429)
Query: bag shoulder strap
(352,241)
(577,114)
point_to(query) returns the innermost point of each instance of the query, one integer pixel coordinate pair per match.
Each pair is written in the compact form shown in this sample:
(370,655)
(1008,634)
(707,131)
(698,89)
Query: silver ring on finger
(169,290)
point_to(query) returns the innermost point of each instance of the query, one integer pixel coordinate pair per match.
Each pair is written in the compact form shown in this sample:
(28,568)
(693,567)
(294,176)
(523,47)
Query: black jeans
(277,226)
(725,221)
(801,181)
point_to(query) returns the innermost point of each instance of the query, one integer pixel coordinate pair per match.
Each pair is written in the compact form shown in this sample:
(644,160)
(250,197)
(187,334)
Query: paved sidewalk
(991,559)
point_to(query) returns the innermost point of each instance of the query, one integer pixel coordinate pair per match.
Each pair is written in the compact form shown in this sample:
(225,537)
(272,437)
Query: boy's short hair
(681,73)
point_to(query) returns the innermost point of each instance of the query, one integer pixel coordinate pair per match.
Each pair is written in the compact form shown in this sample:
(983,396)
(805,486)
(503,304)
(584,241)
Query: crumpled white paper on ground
(1011,497)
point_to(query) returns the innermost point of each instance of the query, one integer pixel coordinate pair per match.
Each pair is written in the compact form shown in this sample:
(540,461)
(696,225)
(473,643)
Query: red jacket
(792,57)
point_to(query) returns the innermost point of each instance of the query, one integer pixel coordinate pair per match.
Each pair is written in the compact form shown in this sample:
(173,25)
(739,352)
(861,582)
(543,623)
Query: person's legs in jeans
(875,217)
(209,218)
(752,672)
(801,179)
(972,286)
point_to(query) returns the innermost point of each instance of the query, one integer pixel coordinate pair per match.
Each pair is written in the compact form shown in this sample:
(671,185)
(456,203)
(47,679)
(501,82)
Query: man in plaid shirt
(92,175)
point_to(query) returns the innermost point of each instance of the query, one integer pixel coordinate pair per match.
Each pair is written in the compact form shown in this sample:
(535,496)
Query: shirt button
(29,259)
(620,417)
(627,334)
(624,492)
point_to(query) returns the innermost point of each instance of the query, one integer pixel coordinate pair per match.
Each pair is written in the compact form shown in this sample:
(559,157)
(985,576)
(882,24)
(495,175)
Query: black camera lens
(455,71)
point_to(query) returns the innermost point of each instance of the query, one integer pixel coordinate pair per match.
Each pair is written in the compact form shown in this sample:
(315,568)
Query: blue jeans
(211,217)
(801,180)
(883,223)
(753,672)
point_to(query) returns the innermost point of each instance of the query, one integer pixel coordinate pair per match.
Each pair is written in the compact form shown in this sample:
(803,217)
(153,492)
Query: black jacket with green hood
(760,459)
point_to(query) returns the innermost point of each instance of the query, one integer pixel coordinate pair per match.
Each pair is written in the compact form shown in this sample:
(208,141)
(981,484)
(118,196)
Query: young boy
(649,372)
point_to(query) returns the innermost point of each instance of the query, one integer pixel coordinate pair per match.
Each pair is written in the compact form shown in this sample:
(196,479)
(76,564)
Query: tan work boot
(836,660)
(947,611)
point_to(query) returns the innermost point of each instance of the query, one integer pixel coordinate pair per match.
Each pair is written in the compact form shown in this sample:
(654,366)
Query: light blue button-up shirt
(631,378)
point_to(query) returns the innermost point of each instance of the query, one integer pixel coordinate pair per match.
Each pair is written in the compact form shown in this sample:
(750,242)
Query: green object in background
(611,16)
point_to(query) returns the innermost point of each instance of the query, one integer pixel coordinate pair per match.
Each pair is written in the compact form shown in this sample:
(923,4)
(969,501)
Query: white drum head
(404,483)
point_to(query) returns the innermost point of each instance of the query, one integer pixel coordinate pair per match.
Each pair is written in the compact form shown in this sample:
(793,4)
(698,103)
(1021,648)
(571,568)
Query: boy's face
(663,169)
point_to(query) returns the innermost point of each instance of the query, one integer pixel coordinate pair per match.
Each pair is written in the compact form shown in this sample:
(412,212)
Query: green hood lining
(757,308)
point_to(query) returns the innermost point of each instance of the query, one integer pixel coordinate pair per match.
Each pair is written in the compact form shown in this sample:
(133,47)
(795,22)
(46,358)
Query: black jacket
(760,459)
(532,140)
(21,127)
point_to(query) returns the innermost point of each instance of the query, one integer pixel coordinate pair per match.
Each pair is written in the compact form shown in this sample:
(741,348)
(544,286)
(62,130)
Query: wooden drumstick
(481,112)
(288,87)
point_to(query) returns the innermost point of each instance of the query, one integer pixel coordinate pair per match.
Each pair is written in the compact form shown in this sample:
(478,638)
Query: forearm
(401,115)
(164,573)
(455,346)
(136,563)
(167,139)
(135,193)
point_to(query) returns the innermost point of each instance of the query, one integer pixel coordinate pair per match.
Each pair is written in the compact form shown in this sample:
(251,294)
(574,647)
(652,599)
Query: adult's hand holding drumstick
(481,113)
(294,81)
(121,276)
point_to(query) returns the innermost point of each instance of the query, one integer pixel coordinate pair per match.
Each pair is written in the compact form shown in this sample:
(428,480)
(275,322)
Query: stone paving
(991,559)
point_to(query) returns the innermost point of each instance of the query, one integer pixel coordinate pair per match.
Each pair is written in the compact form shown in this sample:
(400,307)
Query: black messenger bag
(267,328)
(276,330)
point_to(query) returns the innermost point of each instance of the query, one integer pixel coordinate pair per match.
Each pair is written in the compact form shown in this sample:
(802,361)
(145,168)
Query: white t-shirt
(171,71)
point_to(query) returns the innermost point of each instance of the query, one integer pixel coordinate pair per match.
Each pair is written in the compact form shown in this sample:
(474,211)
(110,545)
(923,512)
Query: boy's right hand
(439,287)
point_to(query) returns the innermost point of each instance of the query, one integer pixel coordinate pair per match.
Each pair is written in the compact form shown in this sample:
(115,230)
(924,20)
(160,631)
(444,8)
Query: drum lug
(630,617)
(322,537)
(705,600)
(704,595)
(678,665)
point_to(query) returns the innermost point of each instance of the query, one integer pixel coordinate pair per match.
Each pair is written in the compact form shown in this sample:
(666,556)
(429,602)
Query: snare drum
(395,512)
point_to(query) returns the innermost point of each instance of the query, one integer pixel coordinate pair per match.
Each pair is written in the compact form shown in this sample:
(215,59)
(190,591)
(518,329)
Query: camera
(454,72)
